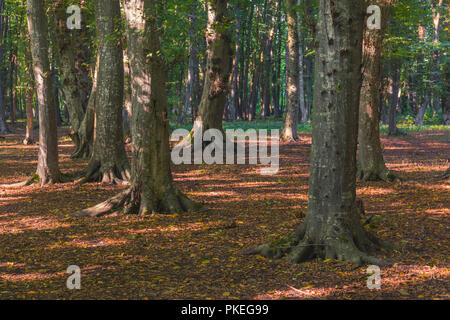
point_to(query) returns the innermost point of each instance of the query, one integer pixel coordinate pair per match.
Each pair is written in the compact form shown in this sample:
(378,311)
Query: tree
(218,69)
(109,162)
(292,108)
(332,227)
(152,187)
(65,44)
(48,169)
(371,165)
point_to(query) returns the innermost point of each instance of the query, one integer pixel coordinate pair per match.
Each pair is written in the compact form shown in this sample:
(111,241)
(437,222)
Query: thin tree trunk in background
(394,87)
(371,165)
(301,85)
(233,105)
(29,135)
(436,75)
(245,102)
(291,121)
(3,126)
(191,84)
(48,169)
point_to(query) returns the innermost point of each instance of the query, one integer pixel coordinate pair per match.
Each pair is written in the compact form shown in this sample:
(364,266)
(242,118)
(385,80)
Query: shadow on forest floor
(199,255)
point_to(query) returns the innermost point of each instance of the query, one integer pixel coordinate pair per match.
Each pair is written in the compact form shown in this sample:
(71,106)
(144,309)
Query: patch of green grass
(412,128)
(246,125)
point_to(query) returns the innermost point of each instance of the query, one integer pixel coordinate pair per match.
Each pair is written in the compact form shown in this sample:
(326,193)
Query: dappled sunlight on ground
(201,255)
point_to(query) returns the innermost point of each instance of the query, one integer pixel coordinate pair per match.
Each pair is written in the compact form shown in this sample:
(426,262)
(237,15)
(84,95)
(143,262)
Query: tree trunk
(292,108)
(332,227)
(245,101)
(371,165)
(191,85)
(109,162)
(152,188)
(233,105)
(393,100)
(422,108)
(219,65)
(65,54)
(301,87)
(47,169)
(218,70)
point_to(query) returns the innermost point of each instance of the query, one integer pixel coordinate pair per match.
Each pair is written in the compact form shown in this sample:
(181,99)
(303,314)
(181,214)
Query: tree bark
(152,188)
(218,69)
(109,162)
(301,87)
(371,165)
(191,85)
(332,227)
(292,108)
(47,169)
(65,53)
(394,88)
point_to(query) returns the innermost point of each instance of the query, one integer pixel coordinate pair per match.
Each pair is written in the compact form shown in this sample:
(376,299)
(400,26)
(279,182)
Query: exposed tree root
(131,201)
(346,242)
(83,148)
(373,174)
(35,179)
(288,135)
(112,174)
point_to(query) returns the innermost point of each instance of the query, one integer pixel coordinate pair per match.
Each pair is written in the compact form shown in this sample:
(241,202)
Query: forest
(224,150)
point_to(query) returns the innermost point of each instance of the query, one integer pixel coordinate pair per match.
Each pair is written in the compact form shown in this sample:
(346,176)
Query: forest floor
(200,255)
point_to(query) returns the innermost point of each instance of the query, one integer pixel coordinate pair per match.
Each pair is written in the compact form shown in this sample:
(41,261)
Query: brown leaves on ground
(200,255)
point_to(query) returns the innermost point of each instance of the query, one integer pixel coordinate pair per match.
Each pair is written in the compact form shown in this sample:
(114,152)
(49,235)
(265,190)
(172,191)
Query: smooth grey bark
(109,162)
(332,228)
(292,90)
(47,169)
(152,188)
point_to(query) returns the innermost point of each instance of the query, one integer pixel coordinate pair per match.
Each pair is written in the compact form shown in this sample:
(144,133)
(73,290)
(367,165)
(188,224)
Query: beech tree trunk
(218,69)
(332,228)
(65,53)
(109,162)
(152,188)
(292,108)
(47,169)
(371,165)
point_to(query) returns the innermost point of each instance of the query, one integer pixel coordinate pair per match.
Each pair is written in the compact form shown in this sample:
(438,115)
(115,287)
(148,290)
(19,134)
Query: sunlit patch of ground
(200,255)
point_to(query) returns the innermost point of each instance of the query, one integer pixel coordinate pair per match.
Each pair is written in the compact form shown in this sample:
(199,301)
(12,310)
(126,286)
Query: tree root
(353,244)
(131,202)
(118,174)
(377,175)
